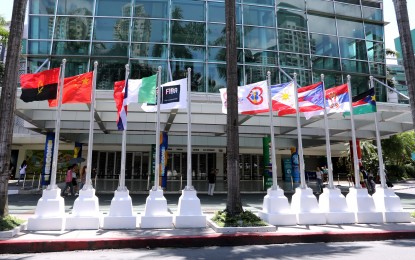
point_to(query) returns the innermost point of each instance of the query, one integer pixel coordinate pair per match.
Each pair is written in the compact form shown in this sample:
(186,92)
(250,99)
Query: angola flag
(76,89)
(39,86)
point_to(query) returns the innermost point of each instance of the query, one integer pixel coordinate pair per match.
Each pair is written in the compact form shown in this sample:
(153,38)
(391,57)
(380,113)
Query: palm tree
(233,204)
(8,99)
(402,19)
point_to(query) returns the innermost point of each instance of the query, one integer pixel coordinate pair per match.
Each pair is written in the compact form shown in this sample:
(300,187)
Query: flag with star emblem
(363,103)
(39,86)
(76,89)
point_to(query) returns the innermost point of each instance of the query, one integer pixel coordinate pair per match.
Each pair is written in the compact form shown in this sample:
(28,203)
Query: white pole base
(304,204)
(121,214)
(85,213)
(333,204)
(189,212)
(50,212)
(156,214)
(387,202)
(276,209)
(361,203)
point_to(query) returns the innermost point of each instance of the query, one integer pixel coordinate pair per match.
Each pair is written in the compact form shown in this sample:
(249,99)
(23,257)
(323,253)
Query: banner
(266,146)
(47,159)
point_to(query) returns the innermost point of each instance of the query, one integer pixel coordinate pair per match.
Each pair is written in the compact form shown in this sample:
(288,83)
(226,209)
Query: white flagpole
(88,183)
(157,163)
(52,184)
(121,186)
(379,145)
(355,161)
(189,132)
(327,131)
(271,124)
(300,141)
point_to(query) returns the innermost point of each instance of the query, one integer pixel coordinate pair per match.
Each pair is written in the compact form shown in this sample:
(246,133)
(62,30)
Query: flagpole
(355,162)
(157,163)
(121,186)
(379,145)
(189,132)
(300,141)
(88,184)
(52,184)
(327,131)
(271,123)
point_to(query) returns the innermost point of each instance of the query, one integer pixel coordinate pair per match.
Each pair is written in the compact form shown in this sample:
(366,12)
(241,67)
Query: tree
(402,19)
(233,204)
(8,99)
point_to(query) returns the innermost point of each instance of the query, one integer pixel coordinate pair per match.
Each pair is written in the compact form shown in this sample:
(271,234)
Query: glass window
(188,10)
(259,38)
(73,28)
(109,71)
(216,77)
(375,51)
(188,32)
(111,29)
(291,20)
(293,41)
(372,13)
(42,7)
(325,63)
(261,57)
(315,24)
(74,65)
(353,48)
(216,34)
(374,32)
(148,50)
(350,29)
(377,69)
(256,15)
(70,48)
(260,2)
(303,76)
(355,66)
(324,45)
(359,84)
(348,10)
(39,27)
(258,73)
(216,54)
(145,68)
(75,7)
(186,52)
(294,4)
(38,47)
(294,60)
(321,6)
(331,79)
(145,30)
(179,71)
(113,8)
(216,12)
(110,49)
(151,8)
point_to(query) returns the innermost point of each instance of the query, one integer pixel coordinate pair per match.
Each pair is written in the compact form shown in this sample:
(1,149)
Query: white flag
(173,96)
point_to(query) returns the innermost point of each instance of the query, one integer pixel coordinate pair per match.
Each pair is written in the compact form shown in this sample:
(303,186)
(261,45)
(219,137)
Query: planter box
(214,226)
(13,232)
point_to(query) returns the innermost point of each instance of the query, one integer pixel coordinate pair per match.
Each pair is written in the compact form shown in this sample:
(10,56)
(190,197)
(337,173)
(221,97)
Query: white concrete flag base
(361,203)
(189,212)
(85,213)
(304,204)
(121,214)
(333,204)
(276,210)
(387,202)
(156,214)
(50,212)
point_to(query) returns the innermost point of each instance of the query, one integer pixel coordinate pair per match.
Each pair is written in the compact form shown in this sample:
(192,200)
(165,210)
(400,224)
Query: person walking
(319,174)
(83,177)
(212,181)
(22,172)
(68,182)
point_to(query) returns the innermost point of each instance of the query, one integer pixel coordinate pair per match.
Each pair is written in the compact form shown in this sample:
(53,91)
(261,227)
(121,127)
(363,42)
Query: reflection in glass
(261,2)
(375,51)
(295,60)
(325,63)
(113,8)
(294,4)
(261,57)
(303,76)
(73,28)
(40,27)
(215,12)
(110,49)
(359,84)
(188,32)
(216,54)
(70,48)
(216,77)
(350,29)
(293,41)
(39,47)
(145,30)
(372,13)
(188,10)
(148,50)
(145,68)
(353,48)
(325,45)
(258,73)
(111,29)
(348,10)
(315,24)
(186,52)
(110,70)
(259,38)
(374,32)
(216,34)
(75,7)
(320,6)
(179,71)
(151,8)
(74,65)
(331,79)
(261,16)
(42,7)
(377,69)
(291,20)
(355,66)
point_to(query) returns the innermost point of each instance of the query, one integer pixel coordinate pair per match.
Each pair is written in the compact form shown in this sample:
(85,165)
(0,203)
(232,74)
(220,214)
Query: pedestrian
(372,184)
(74,178)
(363,178)
(22,172)
(319,174)
(83,177)
(212,181)
(68,182)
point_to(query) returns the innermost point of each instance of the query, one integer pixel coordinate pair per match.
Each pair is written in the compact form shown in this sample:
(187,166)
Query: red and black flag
(39,86)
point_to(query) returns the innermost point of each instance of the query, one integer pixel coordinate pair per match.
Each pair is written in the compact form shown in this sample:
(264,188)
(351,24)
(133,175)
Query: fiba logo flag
(173,96)
(170,94)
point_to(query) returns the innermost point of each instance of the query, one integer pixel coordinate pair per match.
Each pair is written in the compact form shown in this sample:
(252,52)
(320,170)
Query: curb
(238,239)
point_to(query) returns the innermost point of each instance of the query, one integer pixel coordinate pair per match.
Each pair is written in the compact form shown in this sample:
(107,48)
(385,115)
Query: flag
(39,86)
(173,96)
(310,98)
(363,103)
(142,90)
(76,89)
(337,101)
(252,98)
(119,99)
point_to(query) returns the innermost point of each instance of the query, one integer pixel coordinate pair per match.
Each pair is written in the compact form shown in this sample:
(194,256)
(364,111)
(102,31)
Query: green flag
(147,90)
(363,103)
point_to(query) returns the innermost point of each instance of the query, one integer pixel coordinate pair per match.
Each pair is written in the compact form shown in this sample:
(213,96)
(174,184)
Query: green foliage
(9,222)
(245,219)
(397,149)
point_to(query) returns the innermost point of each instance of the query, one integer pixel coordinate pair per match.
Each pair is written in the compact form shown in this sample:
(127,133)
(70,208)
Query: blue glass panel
(375,51)
(76,7)
(42,7)
(151,8)
(293,41)
(109,71)
(260,38)
(315,22)
(188,32)
(216,34)
(73,28)
(38,47)
(350,29)
(179,71)
(70,48)
(325,45)
(372,13)
(258,73)
(321,6)
(293,20)
(348,10)
(188,10)
(186,52)
(353,48)
(145,68)
(39,27)
(145,30)
(374,32)
(293,4)
(216,77)
(325,63)
(261,57)
(261,16)
(377,69)
(112,29)
(355,66)
(149,50)
(260,2)
(113,8)
(216,54)
(110,49)
(295,60)
(74,65)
